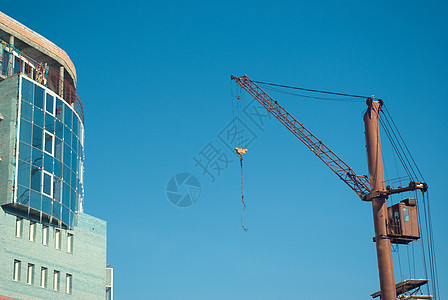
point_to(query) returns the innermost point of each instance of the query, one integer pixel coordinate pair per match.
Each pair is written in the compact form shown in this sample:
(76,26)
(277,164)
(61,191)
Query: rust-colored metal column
(379,203)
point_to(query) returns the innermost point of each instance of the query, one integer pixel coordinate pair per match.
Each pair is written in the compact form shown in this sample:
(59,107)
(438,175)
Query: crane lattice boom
(359,184)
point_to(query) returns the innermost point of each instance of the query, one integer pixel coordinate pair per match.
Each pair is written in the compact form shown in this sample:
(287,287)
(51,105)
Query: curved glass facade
(50,153)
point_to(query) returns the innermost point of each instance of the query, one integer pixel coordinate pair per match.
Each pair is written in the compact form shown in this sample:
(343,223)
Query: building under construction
(49,248)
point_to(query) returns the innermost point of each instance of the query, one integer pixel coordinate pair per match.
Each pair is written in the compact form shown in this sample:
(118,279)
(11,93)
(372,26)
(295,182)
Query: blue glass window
(66,174)
(56,210)
(49,143)
(25,131)
(74,142)
(37,157)
(23,195)
(39,94)
(47,205)
(58,149)
(67,136)
(17,65)
(68,117)
(49,104)
(47,184)
(24,173)
(75,126)
(38,118)
(26,111)
(49,123)
(74,161)
(35,200)
(57,168)
(36,179)
(48,163)
(59,109)
(67,155)
(27,90)
(37,137)
(73,203)
(66,194)
(57,190)
(73,180)
(65,215)
(25,152)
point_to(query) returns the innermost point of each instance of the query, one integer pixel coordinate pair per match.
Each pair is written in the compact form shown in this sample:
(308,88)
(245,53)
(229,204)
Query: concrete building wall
(86,264)
(9,89)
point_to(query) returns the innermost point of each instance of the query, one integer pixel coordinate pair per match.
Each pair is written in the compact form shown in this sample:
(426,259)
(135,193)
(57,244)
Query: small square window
(405,214)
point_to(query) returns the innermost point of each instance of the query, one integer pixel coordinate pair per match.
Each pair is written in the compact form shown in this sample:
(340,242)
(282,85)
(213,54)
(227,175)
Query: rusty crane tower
(391,224)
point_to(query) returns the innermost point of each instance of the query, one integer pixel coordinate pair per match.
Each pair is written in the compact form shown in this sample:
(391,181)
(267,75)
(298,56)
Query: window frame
(45,229)
(54,103)
(51,183)
(30,274)
(16,270)
(56,280)
(57,239)
(68,283)
(69,242)
(52,142)
(43,277)
(32,233)
(19,227)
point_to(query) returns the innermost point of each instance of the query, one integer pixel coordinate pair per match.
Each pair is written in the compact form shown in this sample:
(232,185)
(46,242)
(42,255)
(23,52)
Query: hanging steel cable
(406,147)
(311,90)
(313,97)
(413,172)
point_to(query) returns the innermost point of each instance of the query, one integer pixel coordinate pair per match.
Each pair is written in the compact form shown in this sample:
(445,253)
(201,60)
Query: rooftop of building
(36,46)
(26,52)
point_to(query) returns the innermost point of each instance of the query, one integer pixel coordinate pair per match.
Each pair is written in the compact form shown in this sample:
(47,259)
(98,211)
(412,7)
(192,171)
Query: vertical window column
(68,283)
(30,275)
(32,231)
(45,235)
(16,271)
(19,222)
(56,279)
(57,239)
(70,242)
(43,277)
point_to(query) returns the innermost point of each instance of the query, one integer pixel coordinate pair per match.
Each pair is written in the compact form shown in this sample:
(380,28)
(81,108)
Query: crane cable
(412,170)
(311,90)
(242,151)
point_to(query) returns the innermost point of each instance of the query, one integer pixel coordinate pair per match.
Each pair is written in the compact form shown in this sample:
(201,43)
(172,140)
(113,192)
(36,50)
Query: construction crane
(370,188)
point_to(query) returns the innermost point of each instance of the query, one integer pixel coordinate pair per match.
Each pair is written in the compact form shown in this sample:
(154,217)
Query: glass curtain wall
(50,153)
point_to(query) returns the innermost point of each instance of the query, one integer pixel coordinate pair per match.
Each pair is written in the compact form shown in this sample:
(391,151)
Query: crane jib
(359,184)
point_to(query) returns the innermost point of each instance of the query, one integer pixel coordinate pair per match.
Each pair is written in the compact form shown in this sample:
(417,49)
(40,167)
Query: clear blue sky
(154,78)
